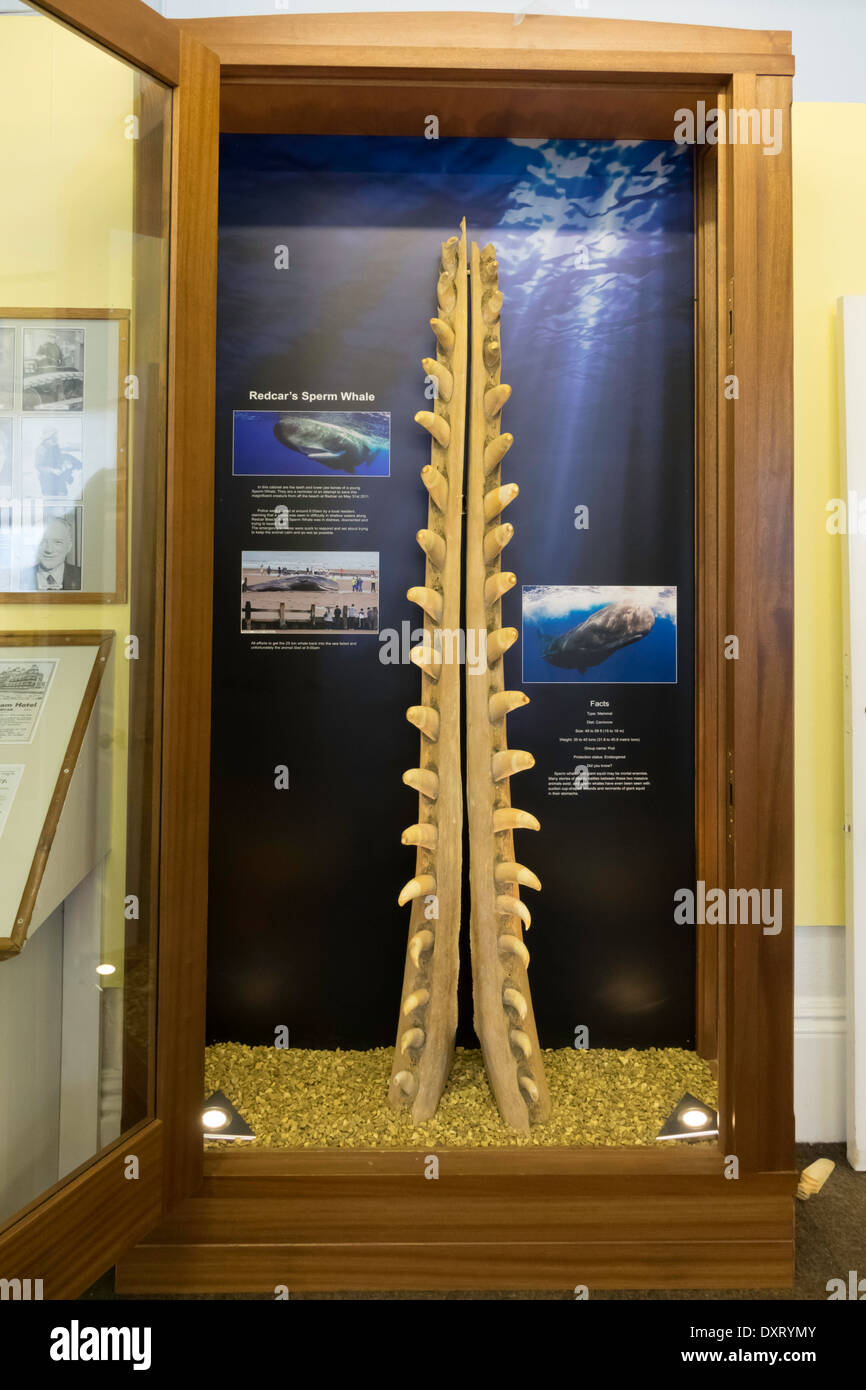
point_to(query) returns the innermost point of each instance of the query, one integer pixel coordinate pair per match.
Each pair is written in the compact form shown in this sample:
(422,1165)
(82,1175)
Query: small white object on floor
(813,1178)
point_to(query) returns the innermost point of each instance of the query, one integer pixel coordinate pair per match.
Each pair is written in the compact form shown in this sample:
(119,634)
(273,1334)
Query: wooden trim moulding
(188,609)
(131,30)
(69,1237)
(477,42)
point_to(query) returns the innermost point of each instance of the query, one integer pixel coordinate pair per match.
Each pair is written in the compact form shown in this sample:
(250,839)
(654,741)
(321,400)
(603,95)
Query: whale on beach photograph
(599,634)
(302,591)
(312,443)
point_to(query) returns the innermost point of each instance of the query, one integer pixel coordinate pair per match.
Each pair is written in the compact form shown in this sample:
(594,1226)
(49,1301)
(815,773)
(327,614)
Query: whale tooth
(492,353)
(423,833)
(406,1082)
(509,818)
(425,719)
(529,1088)
(433,546)
(446,293)
(423,781)
(444,334)
(441,375)
(497,585)
(513,907)
(436,425)
(508,872)
(498,642)
(428,599)
(416,1000)
(422,941)
(496,450)
(494,399)
(513,946)
(412,1040)
(496,540)
(498,499)
(515,1000)
(428,661)
(503,702)
(509,761)
(491,305)
(449,254)
(420,887)
(489,270)
(436,485)
(522,1042)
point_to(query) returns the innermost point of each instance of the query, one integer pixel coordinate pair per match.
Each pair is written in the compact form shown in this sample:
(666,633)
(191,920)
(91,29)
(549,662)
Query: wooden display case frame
(514,1218)
(552,1218)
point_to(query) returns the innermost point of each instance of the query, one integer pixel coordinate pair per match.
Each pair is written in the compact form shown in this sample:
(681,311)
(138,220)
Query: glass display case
(438,286)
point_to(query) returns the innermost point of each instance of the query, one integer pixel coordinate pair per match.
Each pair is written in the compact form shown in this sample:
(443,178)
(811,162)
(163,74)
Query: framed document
(63,455)
(51,752)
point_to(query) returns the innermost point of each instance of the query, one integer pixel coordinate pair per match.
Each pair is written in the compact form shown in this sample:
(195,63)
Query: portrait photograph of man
(56,567)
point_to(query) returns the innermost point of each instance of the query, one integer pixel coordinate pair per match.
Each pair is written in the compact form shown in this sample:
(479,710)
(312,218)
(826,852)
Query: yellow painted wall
(66,241)
(829,261)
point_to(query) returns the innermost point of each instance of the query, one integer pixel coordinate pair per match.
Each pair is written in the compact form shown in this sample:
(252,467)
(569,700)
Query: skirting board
(820,1040)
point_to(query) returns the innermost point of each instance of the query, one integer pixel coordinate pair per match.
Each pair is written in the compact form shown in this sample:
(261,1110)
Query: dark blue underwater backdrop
(595,247)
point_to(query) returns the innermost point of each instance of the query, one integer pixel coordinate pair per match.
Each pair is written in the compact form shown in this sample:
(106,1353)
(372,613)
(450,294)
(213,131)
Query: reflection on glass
(83,296)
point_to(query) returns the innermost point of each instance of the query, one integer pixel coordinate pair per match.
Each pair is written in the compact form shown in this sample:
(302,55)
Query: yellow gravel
(298,1098)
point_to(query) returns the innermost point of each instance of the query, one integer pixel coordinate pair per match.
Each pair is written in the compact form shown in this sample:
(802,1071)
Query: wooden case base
(493,1220)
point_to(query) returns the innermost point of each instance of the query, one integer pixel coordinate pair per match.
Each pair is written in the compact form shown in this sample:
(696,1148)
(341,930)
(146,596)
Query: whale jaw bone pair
(504,1018)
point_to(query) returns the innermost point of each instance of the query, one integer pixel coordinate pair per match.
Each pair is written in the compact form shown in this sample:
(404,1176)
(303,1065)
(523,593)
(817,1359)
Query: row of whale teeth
(501,703)
(425,834)
(428,659)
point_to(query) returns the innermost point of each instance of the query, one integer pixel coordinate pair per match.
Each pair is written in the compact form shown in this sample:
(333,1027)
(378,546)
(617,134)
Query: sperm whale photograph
(606,634)
(302,444)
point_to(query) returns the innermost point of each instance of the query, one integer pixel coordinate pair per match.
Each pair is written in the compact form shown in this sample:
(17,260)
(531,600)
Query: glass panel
(83,322)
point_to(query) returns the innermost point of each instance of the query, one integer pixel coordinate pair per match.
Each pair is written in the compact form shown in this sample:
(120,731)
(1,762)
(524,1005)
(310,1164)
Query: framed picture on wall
(63,455)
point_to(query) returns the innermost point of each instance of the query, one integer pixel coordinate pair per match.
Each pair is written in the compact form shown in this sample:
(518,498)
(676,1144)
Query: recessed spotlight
(690,1119)
(106,969)
(222,1120)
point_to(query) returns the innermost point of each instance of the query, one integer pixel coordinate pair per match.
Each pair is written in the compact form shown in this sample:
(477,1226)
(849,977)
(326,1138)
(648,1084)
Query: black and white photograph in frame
(6,480)
(53,369)
(52,457)
(7,368)
(64,419)
(52,550)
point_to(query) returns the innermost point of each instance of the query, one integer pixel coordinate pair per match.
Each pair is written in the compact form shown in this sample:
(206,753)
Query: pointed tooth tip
(417,887)
(513,999)
(529,1088)
(412,1038)
(514,946)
